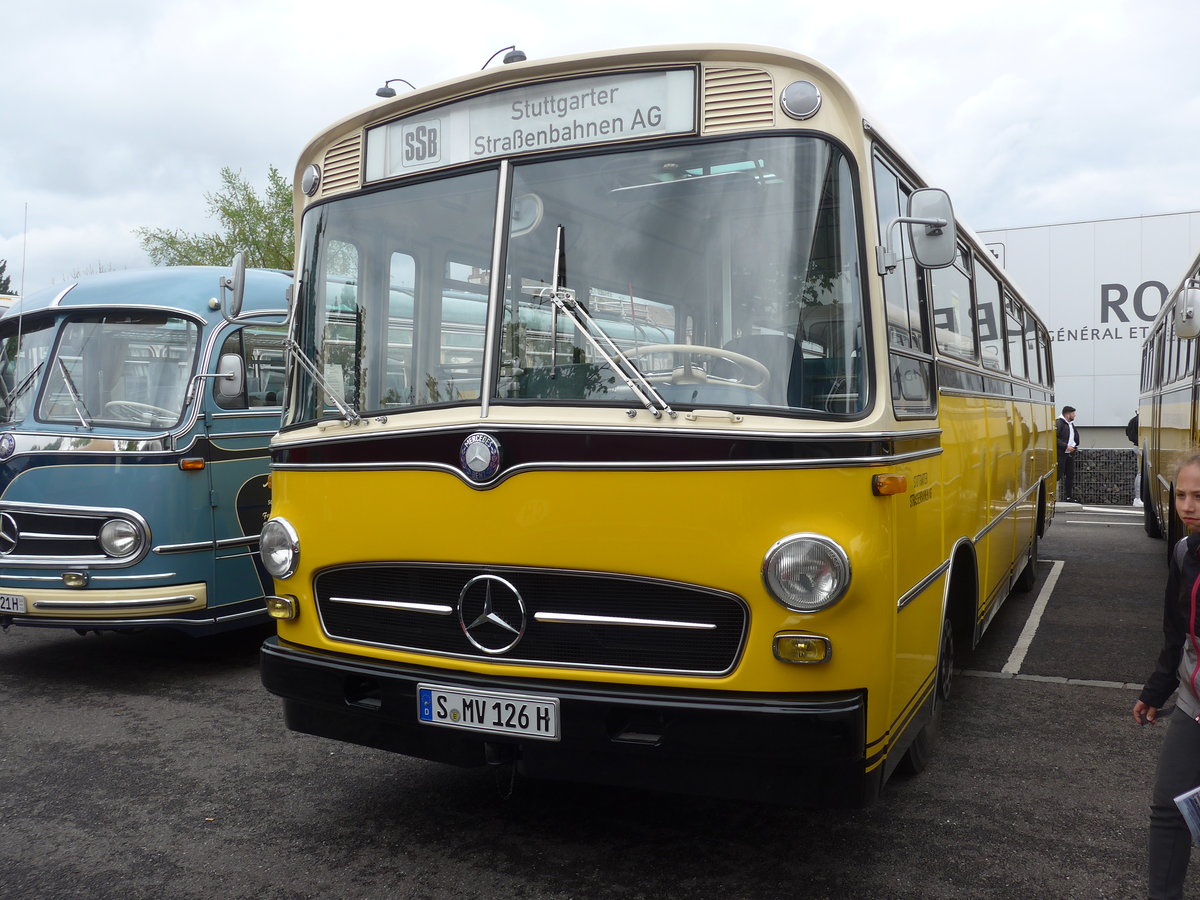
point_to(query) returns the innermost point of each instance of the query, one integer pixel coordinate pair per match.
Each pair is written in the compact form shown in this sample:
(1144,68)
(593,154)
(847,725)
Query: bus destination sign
(539,117)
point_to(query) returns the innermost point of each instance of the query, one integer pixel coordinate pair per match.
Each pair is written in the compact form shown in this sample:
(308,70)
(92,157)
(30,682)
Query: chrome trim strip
(49,536)
(114,604)
(435,608)
(249,541)
(921,586)
(57,579)
(98,624)
(186,548)
(995,523)
(244,615)
(812,437)
(576,619)
(645,466)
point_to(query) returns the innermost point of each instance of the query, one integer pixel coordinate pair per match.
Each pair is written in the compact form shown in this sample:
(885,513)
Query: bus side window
(261,350)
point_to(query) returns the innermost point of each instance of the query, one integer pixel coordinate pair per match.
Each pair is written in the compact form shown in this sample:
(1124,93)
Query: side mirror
(1187,311)
(231,375)
(931,228)
(235,284)
(932,233)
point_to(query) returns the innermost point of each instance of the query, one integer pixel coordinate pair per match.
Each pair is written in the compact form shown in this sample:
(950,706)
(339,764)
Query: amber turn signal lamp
(885,485)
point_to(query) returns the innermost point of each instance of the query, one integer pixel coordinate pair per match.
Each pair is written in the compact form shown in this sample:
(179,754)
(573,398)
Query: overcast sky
(121,114)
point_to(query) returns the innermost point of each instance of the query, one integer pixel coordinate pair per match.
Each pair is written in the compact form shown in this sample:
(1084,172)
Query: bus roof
(501,76)
(175,287)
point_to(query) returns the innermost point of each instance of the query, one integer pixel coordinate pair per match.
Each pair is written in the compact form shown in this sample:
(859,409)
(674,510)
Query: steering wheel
(688,374)
(138,412)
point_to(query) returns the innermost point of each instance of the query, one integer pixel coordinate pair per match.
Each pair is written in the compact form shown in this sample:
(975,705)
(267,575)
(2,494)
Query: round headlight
(120,537)
(280,547)
(806,572)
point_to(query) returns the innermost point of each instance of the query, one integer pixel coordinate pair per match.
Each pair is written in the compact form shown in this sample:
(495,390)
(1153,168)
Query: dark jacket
(1063,429)
(1179,660)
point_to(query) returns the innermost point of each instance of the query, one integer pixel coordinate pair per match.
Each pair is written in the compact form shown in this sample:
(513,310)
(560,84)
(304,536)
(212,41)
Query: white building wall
(1097,286)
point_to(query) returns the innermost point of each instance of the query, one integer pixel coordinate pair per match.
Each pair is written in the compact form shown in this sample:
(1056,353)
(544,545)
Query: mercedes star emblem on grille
(10,534)
(491,613)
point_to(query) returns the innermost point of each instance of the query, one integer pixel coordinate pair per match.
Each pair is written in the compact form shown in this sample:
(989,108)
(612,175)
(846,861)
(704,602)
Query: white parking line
(1100,522)
(1013,666)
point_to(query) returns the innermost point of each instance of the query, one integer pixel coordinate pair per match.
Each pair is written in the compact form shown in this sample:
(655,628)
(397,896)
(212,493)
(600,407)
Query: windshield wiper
(564,300)
(80,407)
(349,416)
(11,397)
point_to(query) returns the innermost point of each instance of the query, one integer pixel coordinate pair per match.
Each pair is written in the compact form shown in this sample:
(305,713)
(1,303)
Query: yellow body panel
(706,528)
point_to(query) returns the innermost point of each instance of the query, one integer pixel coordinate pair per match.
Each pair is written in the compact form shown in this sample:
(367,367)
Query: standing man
(1068,444)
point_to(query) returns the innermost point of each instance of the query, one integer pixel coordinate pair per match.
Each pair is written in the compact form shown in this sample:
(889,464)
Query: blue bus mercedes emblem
(8,445)
(480,457)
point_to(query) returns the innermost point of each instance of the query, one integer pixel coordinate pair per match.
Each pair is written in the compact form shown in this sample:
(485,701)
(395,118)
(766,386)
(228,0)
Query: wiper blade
(26,383)
(349,416)
(564,301)
(76,399)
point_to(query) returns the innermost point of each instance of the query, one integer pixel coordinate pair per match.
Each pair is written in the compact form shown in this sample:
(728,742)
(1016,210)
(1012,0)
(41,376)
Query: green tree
(261,227)
(5,280)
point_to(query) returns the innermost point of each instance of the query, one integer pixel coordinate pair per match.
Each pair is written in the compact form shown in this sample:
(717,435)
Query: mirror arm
(885,259)
(196,379)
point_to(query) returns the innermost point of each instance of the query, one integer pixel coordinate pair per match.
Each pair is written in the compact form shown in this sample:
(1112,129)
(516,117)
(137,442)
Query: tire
(1028,577)
(1149,516)
(920,751)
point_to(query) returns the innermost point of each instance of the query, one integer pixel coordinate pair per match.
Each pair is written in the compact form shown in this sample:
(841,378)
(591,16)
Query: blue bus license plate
(497,713)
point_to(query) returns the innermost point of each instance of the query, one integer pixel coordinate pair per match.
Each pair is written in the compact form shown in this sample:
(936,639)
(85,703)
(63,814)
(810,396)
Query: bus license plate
(534,717)
(12,603)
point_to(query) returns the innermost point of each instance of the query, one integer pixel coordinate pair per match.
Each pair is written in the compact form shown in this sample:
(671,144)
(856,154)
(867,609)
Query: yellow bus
(1168,428)
(649,422)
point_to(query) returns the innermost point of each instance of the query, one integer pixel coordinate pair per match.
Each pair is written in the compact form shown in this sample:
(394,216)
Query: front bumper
(798,749)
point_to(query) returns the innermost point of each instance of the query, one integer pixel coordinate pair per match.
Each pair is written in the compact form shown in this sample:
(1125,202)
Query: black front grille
(647,625)
(56,534)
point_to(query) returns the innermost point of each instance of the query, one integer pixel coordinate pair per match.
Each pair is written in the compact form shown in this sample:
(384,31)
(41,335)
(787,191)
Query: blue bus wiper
(564,300)
(76,400)
(11,397)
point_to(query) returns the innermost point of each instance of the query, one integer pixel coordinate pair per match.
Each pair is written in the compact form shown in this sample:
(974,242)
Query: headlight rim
(136,532)
(292,544)
(839,555)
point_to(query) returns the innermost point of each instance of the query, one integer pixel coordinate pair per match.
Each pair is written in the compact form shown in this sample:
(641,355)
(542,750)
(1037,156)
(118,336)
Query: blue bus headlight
(806,572)
(280,547)
(120,537)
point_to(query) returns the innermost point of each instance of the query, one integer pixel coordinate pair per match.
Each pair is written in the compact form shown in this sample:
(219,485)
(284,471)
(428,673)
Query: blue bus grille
(569,619)
(50,536)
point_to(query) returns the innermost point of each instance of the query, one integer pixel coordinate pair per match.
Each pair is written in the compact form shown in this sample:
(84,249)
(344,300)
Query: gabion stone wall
(1104,476)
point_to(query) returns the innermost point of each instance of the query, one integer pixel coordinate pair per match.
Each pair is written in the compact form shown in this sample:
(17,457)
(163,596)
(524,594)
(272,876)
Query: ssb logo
(421,144)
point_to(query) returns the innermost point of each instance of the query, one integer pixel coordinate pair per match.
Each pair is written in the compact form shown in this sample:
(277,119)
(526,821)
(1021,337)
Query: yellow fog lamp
(285,607)
(802,648)
(75,579)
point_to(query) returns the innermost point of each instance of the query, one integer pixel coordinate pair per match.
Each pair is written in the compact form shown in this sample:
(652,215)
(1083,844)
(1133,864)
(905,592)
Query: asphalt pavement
(144,766)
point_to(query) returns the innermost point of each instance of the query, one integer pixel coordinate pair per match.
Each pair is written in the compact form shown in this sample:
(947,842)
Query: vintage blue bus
(134,421)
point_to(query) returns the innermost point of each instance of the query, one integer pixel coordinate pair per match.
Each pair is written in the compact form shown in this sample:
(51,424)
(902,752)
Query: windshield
(120,369)
(726,274)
